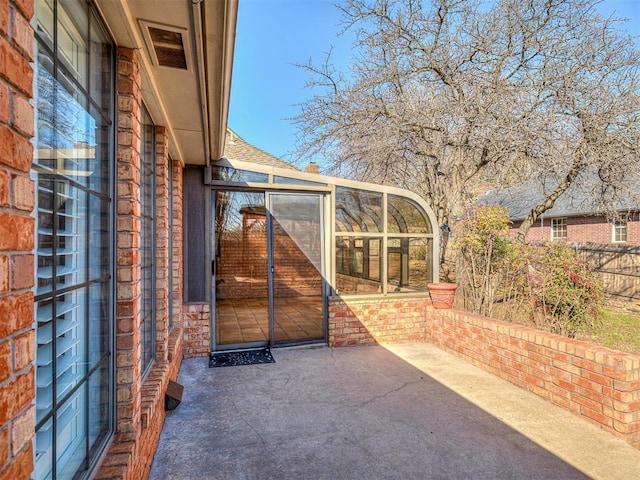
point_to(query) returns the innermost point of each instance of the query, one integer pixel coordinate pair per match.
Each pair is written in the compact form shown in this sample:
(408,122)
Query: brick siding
(17,199)
(128,273)
(595,229)
(163,170)
(196,320)
(176,241)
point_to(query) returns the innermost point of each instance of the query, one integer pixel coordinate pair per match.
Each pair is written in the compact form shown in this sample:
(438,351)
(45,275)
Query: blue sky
(273,35)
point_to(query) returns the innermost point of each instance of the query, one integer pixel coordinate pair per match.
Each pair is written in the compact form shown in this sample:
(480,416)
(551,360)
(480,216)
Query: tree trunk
(548,202)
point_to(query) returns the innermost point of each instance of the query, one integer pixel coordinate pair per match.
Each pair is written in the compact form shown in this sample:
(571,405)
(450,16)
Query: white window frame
(617,228)
(558,224)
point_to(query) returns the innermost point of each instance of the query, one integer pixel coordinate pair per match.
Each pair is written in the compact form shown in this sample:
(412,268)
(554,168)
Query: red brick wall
(242,264)
(599,384)
(128,274)
(596,229)
(17,338)
(295,274)
(176,239)
(163,170)
(633,230)
(370,321)
(196,320)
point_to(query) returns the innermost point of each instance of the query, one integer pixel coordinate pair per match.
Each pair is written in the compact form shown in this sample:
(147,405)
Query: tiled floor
(247,320)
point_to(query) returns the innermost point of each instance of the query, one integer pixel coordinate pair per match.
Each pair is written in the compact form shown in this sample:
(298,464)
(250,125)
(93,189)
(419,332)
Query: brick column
(163,170)
(177,258)
(128,272)
(17,232)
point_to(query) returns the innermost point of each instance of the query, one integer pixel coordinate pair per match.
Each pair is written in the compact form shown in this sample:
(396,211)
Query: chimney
(313,167)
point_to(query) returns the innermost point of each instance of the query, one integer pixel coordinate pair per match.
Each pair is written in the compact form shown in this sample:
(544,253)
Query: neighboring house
(579,215)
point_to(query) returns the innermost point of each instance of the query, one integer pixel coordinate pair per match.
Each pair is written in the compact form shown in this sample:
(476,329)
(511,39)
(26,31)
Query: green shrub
(563,294)
(554,287)
(483,253)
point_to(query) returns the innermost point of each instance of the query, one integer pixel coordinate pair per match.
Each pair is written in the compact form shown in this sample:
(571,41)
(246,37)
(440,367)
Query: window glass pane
(406,216)
(72,32)
(99,325)
(72,154)
(228,174)
(98,406)
(99,238)
(44,360)
(70,346)
(98,155)
(296,181)
(101,55)
(66,136)
(45,257)
(358,264)
(71,431)
(44,22)
(358,210)
(409,264)
(70,216)
(240,243)
(620,231)
(60,216)
(44,451)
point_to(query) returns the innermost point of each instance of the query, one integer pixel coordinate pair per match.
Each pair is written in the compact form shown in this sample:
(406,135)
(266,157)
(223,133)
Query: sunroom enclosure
(283,242)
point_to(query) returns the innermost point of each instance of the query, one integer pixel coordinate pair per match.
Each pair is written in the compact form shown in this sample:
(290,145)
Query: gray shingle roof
(237,148)
(583,198)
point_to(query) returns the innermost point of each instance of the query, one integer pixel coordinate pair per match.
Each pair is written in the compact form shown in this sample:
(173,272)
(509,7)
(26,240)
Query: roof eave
(219,32)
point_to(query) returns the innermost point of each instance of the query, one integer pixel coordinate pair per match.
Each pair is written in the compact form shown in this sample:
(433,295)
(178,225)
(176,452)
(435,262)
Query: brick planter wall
(377,320)
(597,383)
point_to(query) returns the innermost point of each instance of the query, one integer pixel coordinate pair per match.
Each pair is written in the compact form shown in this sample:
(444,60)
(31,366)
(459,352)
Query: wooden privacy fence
(618,265)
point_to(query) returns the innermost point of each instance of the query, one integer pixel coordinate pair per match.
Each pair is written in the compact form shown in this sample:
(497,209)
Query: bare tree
(443,94)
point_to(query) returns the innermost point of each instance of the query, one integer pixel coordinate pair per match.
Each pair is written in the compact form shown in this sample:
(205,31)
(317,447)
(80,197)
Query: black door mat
(244,357)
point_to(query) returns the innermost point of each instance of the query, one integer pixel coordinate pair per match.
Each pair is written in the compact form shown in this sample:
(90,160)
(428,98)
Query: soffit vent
(166,45)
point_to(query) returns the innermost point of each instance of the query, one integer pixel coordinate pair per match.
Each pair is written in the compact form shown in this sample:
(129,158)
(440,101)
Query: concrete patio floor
(381,412)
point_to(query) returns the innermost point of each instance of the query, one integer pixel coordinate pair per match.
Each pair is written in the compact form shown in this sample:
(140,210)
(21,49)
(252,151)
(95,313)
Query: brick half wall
(367,321)
(597,383)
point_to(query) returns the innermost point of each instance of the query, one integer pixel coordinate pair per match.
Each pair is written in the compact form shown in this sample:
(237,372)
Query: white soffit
(189,95)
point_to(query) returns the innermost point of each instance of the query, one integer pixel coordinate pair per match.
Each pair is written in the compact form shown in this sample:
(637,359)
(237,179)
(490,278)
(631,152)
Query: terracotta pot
(442,294)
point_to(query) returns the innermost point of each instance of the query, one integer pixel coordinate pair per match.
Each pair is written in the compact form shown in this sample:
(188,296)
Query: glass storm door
(240,271)
(296,243)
